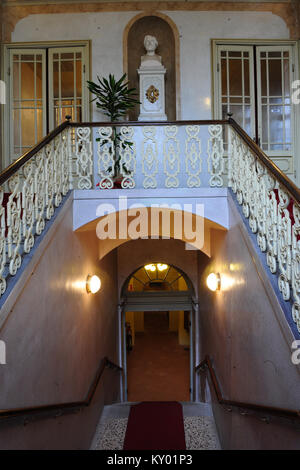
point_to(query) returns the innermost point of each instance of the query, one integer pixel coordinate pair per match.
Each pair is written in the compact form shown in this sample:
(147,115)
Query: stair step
(121,410)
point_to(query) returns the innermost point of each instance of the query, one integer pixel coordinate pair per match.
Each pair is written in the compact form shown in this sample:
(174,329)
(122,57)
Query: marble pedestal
(152,91)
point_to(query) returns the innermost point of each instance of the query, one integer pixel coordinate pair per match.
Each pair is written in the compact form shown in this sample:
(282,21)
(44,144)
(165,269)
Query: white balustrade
(29,198)
(152,157)
(273,216)
(169,156)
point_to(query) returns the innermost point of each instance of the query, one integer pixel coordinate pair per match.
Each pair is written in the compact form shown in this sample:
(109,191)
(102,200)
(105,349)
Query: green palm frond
(113,97)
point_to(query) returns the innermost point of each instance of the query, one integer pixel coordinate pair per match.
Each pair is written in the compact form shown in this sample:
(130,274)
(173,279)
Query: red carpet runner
(155,425)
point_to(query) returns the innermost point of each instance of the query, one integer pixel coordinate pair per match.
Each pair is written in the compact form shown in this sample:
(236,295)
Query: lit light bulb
(161,267)
(213,281)
(150,267)
(93,284)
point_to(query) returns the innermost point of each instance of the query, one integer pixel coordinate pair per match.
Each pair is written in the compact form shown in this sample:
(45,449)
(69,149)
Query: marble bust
(150,59)
(150,44)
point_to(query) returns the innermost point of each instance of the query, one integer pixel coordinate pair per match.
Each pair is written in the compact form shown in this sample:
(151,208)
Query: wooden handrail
(204,122)
(279,412)
(285,180)
(63,407)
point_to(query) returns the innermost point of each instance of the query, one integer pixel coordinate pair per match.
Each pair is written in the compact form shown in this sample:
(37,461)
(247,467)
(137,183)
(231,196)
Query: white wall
(196,29)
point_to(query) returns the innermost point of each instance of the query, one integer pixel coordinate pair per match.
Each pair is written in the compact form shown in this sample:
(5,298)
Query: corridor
(158,367)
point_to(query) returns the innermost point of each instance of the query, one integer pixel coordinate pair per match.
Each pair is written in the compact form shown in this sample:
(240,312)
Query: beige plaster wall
(243,329)
(56,334)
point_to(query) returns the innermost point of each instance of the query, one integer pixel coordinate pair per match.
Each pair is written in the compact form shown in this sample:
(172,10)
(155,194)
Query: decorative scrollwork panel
(84,157)
(106,157)
(193,160)
(127,157)
(171,151)
(215,152)
(149,157)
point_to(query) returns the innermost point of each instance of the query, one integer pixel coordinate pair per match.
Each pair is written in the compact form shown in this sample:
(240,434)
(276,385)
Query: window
(46,84)
(65,79)
(27,98)
(274,72)
(254,83)
(237,88)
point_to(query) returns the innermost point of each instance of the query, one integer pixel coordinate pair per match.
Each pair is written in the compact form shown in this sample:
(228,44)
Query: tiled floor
(158,367)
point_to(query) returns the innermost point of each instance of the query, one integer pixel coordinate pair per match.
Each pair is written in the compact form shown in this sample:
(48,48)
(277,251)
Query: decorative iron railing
(271,203)
(185,154)
(30,190)
(149,155)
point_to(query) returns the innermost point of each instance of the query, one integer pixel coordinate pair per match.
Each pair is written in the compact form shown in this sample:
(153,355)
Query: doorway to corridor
(157,339)
(159,362)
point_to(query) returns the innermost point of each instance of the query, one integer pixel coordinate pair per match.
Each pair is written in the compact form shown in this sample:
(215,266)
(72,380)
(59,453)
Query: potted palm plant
(114,98)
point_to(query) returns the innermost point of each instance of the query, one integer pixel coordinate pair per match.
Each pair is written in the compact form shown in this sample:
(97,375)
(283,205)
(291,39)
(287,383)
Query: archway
(166,32)
(158,334)
(167,229)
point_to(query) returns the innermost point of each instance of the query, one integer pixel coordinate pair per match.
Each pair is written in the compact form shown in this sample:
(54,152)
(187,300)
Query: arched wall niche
(167,35)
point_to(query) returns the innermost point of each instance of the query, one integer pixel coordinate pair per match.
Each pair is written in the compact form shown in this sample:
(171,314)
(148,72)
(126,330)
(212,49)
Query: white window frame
(244,48)
(5,110)
(276,48)
(294,174)
(53,51)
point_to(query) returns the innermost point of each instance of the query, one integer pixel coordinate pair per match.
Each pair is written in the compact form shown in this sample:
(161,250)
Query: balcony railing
(182,154)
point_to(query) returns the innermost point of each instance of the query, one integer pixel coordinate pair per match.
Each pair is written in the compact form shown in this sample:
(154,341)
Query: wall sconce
(93,284)
(213,281)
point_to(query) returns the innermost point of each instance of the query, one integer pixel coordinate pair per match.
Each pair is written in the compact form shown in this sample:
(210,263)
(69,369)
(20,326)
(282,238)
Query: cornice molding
(12,3)
(14,10)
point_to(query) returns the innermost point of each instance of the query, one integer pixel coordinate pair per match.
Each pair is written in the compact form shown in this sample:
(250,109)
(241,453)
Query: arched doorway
(158,340)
